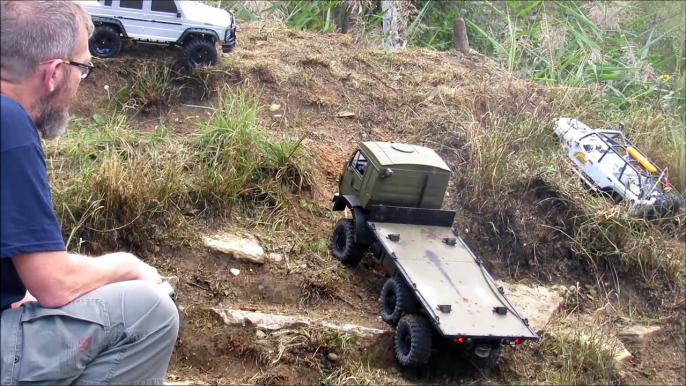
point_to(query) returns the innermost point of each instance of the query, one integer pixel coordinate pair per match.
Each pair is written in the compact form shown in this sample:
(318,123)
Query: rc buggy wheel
(413,340)
(105,42)
(396,300)
(667,205)
(343,245)
(199,53)
(484,361)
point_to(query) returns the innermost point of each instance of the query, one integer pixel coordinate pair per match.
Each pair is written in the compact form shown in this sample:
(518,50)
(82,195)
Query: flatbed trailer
(450,282)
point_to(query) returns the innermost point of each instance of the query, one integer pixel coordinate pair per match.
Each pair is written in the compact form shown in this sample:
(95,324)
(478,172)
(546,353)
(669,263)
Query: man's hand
(148,273)
(144,271)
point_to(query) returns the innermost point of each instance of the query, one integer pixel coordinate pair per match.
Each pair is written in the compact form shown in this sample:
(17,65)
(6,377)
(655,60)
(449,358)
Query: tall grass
(114,184)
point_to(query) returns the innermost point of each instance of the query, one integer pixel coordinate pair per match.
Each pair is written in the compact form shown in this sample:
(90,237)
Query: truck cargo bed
(449,276)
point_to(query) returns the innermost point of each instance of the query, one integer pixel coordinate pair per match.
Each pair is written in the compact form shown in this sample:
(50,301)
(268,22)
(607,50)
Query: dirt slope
(409,95)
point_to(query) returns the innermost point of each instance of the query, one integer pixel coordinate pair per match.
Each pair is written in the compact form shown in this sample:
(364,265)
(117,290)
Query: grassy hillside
(156,157)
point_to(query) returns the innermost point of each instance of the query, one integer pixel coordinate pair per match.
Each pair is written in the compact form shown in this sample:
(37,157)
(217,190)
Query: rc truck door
(166,22)
(129,13)
(356,169)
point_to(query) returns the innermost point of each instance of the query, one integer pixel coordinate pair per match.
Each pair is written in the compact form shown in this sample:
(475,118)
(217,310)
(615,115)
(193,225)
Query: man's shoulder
(17,128)
(12,109)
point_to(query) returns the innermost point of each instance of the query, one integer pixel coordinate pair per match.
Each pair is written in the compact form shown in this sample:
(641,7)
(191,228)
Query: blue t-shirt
(28,222)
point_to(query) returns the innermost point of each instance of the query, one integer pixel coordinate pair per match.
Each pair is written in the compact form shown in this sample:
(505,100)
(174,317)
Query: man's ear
(53,74)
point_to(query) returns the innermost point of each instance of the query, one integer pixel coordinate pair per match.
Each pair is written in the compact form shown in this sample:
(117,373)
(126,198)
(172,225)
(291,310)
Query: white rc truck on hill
(194,26)
(608,162)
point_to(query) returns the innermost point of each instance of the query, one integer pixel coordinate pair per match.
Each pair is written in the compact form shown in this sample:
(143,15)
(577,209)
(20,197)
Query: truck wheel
(105,42)
(199,53)
(343,245)
(396,299)
(413,340)
(485,362)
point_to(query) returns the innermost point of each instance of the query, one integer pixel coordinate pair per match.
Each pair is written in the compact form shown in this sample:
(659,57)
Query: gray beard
(51,119)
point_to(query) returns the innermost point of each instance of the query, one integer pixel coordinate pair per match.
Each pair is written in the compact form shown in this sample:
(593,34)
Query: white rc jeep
(194,26)
(608,162)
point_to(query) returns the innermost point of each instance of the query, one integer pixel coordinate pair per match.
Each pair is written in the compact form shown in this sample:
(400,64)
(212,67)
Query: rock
(586,329)
(274,322)
(237,247)
(635,337)
(277,257)
(274,107)
(345,114)
(537,304)
(332,357)
(174,380)
(260,334)
(261,320)
(235,271)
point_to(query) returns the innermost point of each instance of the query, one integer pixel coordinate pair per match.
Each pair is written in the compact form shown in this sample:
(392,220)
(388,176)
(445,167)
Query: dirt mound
(335,93)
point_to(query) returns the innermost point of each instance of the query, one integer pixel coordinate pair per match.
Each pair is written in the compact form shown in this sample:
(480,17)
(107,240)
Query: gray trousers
(122,333)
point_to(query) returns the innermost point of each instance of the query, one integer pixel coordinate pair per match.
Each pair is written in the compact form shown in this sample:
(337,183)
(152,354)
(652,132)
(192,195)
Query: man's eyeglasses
(85,68)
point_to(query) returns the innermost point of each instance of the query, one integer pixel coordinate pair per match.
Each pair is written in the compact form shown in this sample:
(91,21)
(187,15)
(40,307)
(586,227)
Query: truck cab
(395,174)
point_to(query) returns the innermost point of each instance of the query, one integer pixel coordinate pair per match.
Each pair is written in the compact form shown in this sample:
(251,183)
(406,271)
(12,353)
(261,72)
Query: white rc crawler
(608,162)
(194,26)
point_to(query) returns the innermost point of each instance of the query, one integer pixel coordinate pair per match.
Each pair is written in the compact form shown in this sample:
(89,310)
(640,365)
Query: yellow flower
(664,77)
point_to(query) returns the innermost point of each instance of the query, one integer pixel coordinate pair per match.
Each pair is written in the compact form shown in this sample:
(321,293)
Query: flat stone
(238,248)
(537,304)
(635,337)
(274,322)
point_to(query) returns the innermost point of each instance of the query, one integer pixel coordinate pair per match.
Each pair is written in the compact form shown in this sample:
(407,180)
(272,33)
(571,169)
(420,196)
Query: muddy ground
(393,97)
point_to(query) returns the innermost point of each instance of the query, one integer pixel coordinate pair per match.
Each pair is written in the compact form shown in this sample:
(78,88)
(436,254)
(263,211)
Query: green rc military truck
(438,289)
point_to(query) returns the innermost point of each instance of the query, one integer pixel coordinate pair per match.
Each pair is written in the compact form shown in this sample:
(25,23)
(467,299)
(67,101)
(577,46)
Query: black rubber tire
(667,205)
(492,360)
(199,53)
(105,42)
(396,300)
(343,245)
(413,340)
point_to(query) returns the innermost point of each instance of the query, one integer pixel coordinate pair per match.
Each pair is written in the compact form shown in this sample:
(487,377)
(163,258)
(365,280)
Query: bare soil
(394,96)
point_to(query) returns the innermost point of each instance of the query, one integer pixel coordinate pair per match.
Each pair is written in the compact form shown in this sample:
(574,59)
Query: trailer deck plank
(445,274)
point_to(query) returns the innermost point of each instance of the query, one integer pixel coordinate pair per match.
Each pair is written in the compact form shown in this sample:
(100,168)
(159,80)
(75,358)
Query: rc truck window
(358,162)
(108,3)
(163,6)
(135,4)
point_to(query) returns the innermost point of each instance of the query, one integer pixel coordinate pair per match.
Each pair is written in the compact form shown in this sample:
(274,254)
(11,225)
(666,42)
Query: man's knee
(140,308)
